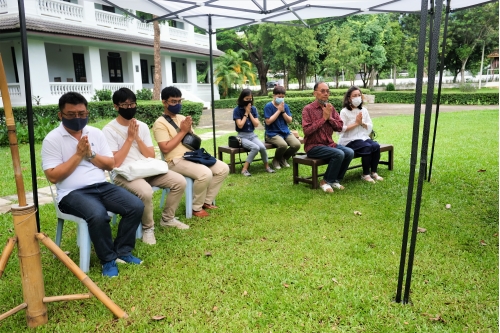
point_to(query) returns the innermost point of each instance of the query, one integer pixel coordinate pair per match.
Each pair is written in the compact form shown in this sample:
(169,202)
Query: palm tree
(231,69)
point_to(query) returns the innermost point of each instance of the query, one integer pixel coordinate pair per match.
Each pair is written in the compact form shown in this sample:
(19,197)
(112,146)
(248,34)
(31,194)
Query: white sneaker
(148,236)
(285,164)
(174,223)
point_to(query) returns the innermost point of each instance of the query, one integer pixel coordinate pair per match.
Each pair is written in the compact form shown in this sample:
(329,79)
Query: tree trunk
(462,71)
(395,76)
(372,77)
(157,60)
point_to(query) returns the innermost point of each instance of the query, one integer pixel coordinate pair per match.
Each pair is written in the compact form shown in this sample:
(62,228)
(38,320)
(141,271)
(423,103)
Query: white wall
(60,61)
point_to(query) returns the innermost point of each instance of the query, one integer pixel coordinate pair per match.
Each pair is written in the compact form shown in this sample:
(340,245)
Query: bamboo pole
(92,287)
(12,311)
(74,297)
(7,251)
(31,264)
(11,130)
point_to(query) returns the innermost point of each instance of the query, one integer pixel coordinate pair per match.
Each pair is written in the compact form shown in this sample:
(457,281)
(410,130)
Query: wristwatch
(91,157)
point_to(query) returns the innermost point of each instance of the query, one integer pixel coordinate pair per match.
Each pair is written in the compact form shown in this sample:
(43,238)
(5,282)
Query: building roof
(493,54)
(11,22)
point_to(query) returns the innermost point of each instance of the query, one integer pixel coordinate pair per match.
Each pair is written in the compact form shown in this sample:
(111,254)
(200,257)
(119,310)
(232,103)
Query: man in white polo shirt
(74,157)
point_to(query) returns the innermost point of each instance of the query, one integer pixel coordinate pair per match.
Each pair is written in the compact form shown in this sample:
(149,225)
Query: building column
(192,77)
(39,72)
(134,69)
(93,67)
(88,11)
(166,71)
(30,7)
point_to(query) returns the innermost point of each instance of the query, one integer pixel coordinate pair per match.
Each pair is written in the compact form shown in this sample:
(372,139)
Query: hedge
(309,93)
(453,98)
(45,117)
(230,103)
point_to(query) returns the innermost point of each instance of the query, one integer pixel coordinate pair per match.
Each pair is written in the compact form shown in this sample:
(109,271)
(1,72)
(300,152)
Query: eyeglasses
(175,101)
(127,105)
(324,91)
(72,115)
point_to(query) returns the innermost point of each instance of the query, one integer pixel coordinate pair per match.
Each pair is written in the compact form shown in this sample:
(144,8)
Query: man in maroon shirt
(319,121)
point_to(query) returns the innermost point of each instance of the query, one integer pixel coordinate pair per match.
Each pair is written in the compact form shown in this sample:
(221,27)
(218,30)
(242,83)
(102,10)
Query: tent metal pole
(414,147)
(438,101)
(212,103)
(29,107)
(425,144)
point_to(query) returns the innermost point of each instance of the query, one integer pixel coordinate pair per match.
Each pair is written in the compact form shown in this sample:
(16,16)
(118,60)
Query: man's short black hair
(171,91)
(122,95)
(72,98)
(279,90)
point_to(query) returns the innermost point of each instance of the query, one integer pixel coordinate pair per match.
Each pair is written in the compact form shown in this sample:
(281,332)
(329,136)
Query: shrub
(102,95)
(467,87)
(309,93)
(390,87)
(144,94)
(454,98)
(45,117)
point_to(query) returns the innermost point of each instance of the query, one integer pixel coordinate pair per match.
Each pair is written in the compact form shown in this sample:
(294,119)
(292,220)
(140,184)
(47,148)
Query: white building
(76,45)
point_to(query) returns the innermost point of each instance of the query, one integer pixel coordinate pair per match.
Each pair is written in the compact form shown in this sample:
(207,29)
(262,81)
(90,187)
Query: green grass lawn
(285,258)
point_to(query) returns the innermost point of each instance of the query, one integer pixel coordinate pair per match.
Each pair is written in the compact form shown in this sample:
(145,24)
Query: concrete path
(224,124)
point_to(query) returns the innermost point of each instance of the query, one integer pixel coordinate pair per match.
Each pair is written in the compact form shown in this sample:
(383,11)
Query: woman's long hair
(347,98)
(244,93)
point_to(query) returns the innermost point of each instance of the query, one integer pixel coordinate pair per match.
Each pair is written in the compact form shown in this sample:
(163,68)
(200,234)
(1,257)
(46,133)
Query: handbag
(190,140)
(141,168)
(234,141)
(200,156)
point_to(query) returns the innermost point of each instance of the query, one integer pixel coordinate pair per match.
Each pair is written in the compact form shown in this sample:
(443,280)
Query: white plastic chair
(82,232)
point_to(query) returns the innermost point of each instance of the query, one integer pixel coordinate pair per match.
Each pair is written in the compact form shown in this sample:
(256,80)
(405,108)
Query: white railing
(62,88)
(3,3)
(201,40)
(111,20)
(145,28)
(14,90)
(115,86)
(178,34)
(60,9)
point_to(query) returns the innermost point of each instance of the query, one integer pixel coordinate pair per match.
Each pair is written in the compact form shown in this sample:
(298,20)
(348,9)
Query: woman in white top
(356,131)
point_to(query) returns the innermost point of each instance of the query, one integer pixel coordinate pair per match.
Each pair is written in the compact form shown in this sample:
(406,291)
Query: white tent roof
(229,14)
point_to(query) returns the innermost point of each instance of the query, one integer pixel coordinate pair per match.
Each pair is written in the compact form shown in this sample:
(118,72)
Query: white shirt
(116,141)
(358,132)
(59,146)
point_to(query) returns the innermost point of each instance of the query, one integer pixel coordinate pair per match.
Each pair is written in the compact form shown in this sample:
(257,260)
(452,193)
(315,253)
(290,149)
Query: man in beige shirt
(207,180)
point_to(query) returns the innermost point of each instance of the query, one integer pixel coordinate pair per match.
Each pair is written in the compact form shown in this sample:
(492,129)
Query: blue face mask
(175,109)
(75,124)
(279,100)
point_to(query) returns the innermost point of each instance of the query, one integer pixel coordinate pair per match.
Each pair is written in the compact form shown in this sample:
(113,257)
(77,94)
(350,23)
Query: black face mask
(128,113)
(75,124)
(245,103)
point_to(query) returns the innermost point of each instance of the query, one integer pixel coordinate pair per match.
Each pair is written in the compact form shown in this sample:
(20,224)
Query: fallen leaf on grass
(208,254)
(67,253)
(481,170)
(158,317)
(320,287)
(357,213)
(215,308)
(406,323)
(245,293)
(483,243)
(421,230)
(132,309)
(437,318)
(448,206)
(286,285)
(495,234)
(335,280)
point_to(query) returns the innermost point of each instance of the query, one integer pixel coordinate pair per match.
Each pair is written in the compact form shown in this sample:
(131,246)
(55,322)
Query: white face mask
(356,101)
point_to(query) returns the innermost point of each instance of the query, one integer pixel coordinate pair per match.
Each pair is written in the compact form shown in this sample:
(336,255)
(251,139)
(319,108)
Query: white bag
(142,168)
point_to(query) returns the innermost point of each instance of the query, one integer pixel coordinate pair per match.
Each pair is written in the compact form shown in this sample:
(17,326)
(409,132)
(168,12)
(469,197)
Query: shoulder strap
(171,122)
(124,137)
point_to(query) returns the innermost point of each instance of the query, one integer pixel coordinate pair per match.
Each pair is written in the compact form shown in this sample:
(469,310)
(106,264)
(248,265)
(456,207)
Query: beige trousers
(207,180)
(142,188)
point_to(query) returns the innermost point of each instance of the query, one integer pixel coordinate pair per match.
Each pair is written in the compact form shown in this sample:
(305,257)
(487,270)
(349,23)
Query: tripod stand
(27,237)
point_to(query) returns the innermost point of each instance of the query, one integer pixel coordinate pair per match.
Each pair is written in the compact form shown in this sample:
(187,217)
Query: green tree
(468,29)
(231,69)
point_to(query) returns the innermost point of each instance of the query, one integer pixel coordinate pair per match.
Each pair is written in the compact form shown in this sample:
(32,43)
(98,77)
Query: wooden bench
(233,151)
(315,163)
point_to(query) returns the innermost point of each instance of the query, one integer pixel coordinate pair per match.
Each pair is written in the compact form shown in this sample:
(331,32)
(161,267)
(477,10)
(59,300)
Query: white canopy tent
(217,15)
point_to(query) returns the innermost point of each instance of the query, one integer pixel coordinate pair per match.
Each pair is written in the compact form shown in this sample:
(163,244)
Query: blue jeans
(339,159)
(92,203)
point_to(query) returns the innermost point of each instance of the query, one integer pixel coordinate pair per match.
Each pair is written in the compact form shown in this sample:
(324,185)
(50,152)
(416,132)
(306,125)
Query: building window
(14,63)
(144,71)
(110,9)
(79,65)
(115,67)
